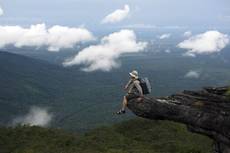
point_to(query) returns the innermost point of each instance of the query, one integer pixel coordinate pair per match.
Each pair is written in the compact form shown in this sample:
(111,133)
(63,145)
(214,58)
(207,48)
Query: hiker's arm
(126,86)
(137,85)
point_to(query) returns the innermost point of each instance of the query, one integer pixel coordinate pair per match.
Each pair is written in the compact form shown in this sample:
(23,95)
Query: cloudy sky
(58,24)
(193,13)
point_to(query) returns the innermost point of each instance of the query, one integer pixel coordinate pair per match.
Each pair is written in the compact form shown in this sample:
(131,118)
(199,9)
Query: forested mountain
(83,100)
(134,136)
(69,94)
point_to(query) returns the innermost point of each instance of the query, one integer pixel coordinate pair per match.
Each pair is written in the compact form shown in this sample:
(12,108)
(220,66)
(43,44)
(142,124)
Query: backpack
(145,85)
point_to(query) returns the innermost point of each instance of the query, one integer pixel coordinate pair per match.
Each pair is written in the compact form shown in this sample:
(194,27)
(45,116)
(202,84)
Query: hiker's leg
(124,103)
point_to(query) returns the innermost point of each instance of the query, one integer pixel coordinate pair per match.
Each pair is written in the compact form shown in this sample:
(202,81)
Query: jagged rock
(205,112)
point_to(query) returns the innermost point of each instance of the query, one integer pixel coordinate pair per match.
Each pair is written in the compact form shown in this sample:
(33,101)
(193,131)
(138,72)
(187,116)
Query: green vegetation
(134,136)
(36,140)
(228,93)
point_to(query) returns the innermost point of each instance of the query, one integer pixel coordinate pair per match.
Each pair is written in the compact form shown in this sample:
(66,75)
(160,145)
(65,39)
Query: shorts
(130,96)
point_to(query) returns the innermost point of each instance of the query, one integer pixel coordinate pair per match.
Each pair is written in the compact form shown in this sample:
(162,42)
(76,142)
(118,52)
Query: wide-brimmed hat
(134,74)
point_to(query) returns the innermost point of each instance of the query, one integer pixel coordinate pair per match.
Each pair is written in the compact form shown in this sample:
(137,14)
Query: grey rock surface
(206,111)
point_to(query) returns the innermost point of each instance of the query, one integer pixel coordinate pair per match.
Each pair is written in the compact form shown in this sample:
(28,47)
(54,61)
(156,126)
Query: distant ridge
(27,81)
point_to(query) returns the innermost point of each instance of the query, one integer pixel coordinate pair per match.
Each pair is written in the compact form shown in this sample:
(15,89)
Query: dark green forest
(134,136)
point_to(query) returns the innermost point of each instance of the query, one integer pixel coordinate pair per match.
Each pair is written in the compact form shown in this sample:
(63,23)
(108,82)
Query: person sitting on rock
(133,89)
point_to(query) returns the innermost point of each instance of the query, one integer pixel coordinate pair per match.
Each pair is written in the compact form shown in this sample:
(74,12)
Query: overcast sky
(190,13)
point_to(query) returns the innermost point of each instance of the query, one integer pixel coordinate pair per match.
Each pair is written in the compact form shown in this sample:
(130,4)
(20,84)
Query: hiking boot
(120,112)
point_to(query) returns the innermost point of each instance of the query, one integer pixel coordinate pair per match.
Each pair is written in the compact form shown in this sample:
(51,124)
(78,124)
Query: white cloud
(36,117)
(167,51)
(188,54)
(104,55)
(192,74)
(205,43)
(140,26)
(187,34)
(1,11)
(55,38)
(165,36)
(117,15)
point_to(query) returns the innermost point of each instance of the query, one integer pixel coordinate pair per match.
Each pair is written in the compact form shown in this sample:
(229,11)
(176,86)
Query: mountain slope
(74,97)
(82,101)
(26,82)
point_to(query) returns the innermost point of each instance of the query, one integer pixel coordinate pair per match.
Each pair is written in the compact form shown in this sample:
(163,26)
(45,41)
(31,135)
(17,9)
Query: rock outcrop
(205,112)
